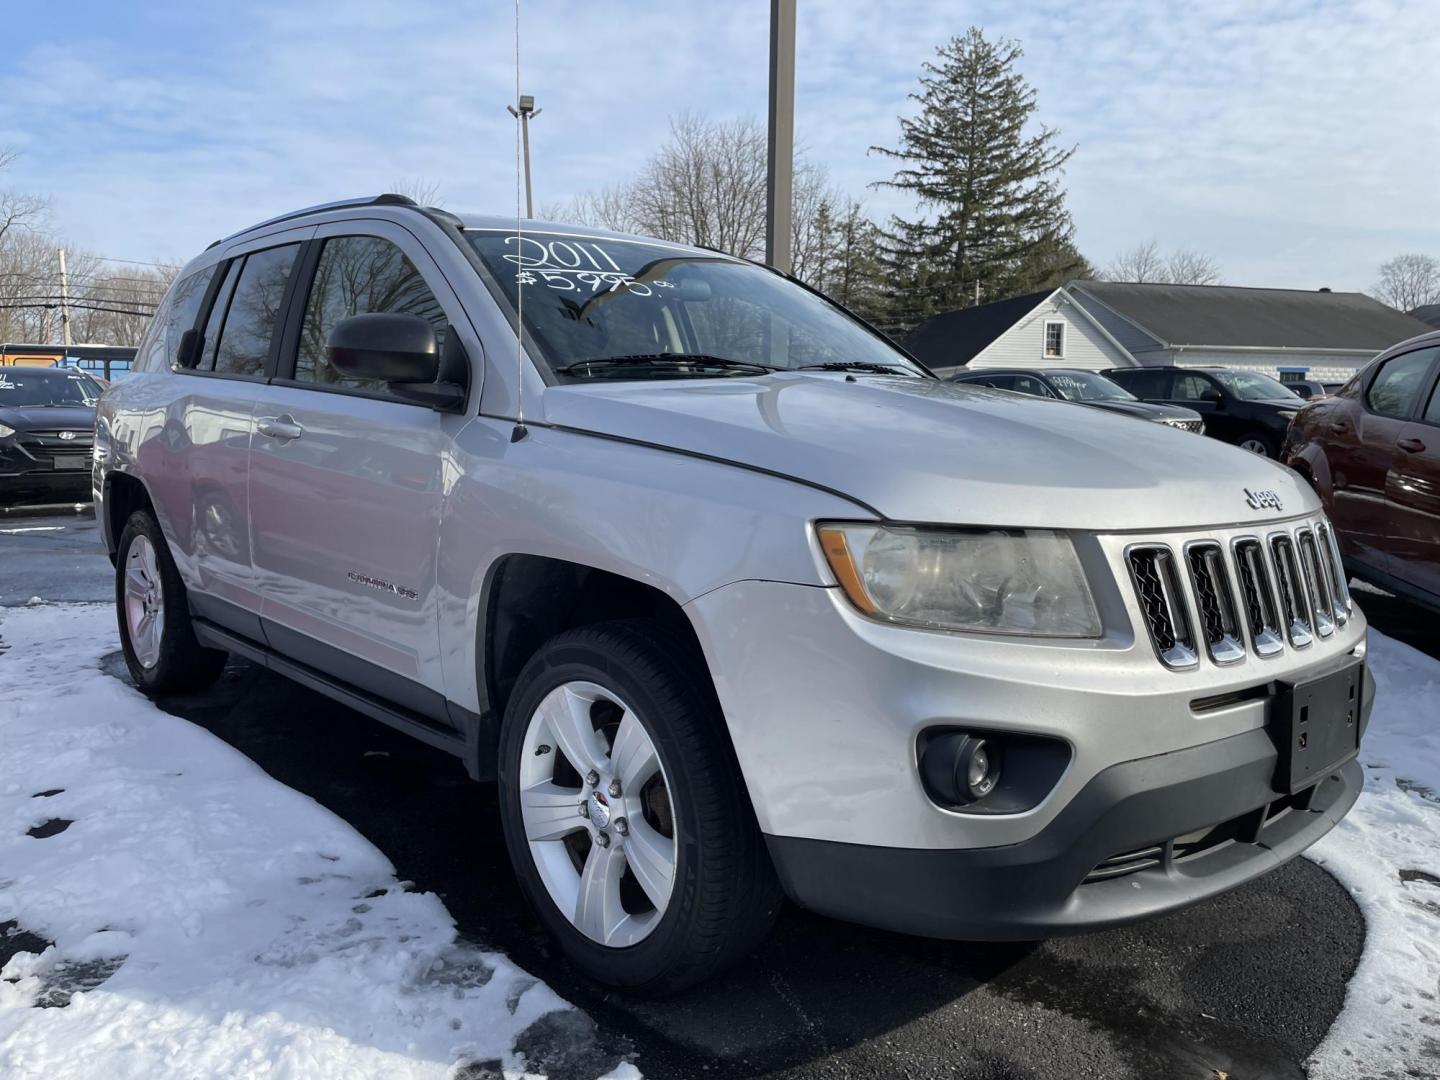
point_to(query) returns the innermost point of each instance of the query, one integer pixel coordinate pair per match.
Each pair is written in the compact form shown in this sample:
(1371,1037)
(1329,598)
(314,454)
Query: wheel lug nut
(622,826)
(585,809)
(615,789)
(603,839)
(592,778)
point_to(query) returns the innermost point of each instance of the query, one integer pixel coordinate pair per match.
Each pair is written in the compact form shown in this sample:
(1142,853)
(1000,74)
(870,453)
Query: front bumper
(1081,872)
(42,464)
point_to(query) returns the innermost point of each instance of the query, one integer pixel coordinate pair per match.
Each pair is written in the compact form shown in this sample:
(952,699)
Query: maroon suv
(1373,453)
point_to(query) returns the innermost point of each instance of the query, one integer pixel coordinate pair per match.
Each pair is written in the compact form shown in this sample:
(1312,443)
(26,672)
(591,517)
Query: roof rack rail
(386,199)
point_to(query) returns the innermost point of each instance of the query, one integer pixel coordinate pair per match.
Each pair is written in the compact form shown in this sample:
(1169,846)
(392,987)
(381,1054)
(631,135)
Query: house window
(1054,340)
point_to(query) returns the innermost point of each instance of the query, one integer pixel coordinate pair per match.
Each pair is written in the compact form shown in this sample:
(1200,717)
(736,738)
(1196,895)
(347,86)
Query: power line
(134,262)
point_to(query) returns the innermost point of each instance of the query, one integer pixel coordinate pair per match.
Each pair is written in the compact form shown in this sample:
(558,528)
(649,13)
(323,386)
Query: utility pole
(779,178)
(524,114)
(64,303)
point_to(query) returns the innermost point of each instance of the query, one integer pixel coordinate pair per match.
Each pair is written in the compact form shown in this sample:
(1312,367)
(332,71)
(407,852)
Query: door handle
(281,427)
(1411,445)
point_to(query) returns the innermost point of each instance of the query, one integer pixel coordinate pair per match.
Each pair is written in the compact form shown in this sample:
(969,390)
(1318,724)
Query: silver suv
(731,598)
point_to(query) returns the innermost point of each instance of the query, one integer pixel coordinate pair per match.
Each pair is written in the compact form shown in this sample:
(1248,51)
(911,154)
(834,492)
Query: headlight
(1018,581)
(1289,414)
(5,431)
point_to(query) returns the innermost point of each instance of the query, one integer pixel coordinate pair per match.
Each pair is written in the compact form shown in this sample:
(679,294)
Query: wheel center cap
(599,809)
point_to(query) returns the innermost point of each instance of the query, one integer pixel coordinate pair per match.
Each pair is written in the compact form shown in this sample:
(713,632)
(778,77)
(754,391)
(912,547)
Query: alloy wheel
(596,808)
(144,602)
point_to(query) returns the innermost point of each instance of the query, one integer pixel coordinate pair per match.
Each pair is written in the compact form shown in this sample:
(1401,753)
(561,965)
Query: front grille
(1290,585)
(1258,595)
(1219,624)
(1317,584)
(1157,585)
(1239,594)
(1197,426)
(1127,862)
(1339,584)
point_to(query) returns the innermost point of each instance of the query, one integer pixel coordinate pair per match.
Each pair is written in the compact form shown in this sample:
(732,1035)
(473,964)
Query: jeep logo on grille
(1264,499)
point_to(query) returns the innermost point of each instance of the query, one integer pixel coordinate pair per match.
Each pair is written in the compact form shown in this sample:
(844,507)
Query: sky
(1296,143)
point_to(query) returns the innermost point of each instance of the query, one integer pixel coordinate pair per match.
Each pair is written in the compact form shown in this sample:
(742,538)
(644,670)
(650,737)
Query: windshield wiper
(857,365)
(674,360)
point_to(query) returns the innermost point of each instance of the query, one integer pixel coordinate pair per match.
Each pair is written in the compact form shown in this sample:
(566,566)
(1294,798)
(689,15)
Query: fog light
(982,768)
(961,768)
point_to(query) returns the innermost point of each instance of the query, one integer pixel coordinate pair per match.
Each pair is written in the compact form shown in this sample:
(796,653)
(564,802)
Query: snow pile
(1387,850)
(207,920)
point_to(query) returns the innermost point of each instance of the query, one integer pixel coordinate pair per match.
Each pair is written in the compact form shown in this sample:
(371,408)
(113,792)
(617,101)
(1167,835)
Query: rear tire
(1258,442)
(630,691)
(156,633)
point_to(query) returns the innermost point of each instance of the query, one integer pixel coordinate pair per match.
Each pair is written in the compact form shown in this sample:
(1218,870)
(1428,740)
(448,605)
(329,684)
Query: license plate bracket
(1315,724)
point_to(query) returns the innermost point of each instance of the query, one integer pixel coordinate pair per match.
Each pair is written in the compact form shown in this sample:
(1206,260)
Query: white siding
(1324,367)
(1122,330)
(1023,345)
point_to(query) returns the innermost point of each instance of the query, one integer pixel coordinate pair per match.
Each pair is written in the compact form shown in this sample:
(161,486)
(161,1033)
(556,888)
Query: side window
(1397,385)
(249,325)
(1145,384)
(357,275)
(1191,388)
(1432,410)
(175,316)
(216,318)
(1028,384)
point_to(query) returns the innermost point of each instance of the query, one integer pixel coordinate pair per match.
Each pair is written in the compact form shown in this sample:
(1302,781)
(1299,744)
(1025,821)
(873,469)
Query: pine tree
(993,218)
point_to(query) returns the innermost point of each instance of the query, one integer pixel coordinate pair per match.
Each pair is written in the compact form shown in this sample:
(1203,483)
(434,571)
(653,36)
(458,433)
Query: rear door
(196,463)
(1413,492)
(347,482)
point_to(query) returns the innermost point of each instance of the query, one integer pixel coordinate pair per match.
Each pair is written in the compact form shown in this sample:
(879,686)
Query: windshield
(29,388)
(1087,386)
(1252,387)
(653,311)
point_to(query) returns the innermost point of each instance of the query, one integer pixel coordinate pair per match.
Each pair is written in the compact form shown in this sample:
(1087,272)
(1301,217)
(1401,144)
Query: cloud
(1295,142)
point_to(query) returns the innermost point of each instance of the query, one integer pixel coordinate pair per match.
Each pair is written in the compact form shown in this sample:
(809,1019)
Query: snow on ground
(206,919)
(1387,851)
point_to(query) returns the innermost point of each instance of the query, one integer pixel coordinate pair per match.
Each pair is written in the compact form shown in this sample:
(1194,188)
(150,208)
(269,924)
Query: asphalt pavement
(1243,986)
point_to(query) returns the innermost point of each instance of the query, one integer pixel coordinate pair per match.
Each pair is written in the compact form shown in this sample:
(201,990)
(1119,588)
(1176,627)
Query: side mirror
(1214,397)
(400,351)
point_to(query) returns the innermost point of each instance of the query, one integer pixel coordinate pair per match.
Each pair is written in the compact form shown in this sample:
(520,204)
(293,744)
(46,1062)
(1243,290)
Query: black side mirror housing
(187,353)
(402,352)
(1214,397)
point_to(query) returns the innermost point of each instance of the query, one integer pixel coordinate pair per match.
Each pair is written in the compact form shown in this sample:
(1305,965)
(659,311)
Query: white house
(1285,333)
(1040,329)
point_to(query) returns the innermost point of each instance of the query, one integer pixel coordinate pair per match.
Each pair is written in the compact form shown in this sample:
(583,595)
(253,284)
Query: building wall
(1023,345)
(1324,367)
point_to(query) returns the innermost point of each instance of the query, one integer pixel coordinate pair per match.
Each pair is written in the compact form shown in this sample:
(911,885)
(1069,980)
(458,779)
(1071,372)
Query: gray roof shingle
(1228,315)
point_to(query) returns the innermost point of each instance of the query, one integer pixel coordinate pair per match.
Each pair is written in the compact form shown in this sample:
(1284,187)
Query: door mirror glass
(384,346)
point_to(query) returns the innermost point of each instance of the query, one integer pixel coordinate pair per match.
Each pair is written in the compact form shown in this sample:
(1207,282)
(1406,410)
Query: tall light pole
(524,114)
(64,302)
(779,179)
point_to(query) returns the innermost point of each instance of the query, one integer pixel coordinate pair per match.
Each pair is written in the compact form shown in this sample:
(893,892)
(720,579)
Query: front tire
(156,635)
(624,812)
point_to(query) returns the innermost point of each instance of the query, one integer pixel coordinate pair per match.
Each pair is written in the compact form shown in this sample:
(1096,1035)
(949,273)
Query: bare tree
(1145,262)
(1407,281)
(1141,263)
(19,211)
(425,192)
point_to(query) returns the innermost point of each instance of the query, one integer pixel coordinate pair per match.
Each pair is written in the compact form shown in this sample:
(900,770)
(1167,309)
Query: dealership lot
(1248,984)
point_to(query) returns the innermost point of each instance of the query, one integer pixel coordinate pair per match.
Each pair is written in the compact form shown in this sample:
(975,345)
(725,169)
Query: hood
(922,450)
(49,417)
(1145,410)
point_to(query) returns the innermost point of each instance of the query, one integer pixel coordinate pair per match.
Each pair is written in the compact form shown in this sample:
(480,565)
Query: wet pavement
(1245,985)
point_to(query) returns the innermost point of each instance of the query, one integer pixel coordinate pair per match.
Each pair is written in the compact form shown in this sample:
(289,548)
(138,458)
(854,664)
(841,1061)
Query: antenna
(519,431)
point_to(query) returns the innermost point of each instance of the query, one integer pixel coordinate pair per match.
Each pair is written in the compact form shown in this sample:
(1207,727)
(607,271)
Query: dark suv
(1084,388)
(1244,408)
(47,420)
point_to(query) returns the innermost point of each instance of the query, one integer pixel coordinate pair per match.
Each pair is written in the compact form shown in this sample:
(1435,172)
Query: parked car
(1084,388)
(1373,453)
(1307,389)
(47,419)
(1246,409)
(732,598)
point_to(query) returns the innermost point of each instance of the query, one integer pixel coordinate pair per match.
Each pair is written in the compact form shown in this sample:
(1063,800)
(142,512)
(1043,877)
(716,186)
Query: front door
(347,482)
(1413,492)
